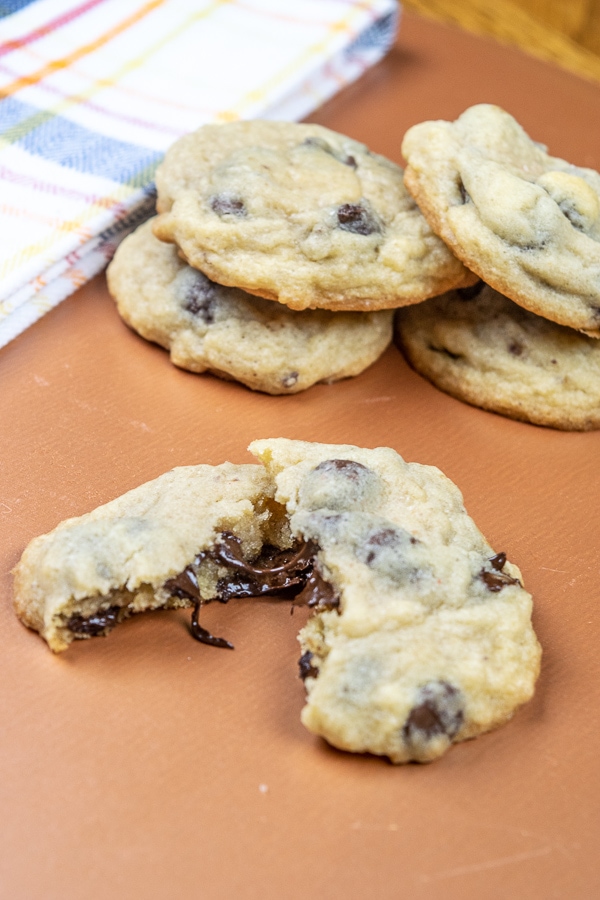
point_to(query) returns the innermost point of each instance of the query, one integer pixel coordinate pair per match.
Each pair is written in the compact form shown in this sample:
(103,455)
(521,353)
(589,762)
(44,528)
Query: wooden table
(147,765)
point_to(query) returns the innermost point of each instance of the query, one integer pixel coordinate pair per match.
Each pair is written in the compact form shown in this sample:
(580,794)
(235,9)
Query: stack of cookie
(278,256)
(524,341)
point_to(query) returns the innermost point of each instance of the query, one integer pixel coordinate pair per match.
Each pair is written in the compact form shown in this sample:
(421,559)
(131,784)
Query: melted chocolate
(307,670)
(496,580)
(281,572)
(200,299)
(96,624)
(317,593)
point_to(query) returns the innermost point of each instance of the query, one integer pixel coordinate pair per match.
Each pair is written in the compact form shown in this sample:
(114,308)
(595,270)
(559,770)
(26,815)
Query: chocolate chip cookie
(422,635)
(482,348)
(302,215)
(528,223)
(208,327)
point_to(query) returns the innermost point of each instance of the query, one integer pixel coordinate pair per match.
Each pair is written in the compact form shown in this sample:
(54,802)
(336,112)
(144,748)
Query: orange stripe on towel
(58,64)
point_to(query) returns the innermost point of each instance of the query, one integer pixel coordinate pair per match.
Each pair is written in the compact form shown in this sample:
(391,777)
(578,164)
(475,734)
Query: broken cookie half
(420,636)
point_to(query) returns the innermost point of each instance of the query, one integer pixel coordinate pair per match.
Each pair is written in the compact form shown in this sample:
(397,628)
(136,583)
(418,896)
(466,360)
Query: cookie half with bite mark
(484,349)
(208,327)
(430,641)
(420,636)
(302,215)
(526,222)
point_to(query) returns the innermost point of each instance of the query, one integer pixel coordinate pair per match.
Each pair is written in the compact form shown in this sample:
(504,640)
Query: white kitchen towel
(92,93)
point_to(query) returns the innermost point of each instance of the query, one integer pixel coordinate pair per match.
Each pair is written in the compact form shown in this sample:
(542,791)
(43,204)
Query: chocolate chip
(437,711)
(352,470)
(198,295)
(350,161)
(228,204)
(496,580)
(387,550)
(515,348)
(307,670)
(96,624)
(357,218)
(469,293)
(338,484)
(290,380)
(498,561)
(570,211)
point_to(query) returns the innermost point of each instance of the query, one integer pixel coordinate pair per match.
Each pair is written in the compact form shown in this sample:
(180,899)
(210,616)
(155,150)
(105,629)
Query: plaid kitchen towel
(92,92)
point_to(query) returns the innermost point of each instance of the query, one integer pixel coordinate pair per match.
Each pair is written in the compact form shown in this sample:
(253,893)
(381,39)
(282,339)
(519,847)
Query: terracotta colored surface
(147,765)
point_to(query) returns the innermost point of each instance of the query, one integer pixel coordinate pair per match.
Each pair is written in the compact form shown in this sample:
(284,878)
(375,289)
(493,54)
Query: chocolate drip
(317,593)
(204,636)
(495,581)
(282,572)
(185,585)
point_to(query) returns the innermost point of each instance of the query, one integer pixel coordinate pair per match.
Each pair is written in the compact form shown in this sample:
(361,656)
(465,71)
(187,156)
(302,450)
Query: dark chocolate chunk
(357,218)
(96,624)
(387,549)
(199,297)
(307,670)
(438,711)
(498,561)
(385,537)
(496,580)
(338,484)
(227,204)
(469,293)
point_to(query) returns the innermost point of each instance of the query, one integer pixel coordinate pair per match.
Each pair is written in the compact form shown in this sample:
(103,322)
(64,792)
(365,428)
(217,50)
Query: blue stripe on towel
(8,7)
(75,147)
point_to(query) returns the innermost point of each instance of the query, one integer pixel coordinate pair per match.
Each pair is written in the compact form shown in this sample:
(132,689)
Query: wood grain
(565,32)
